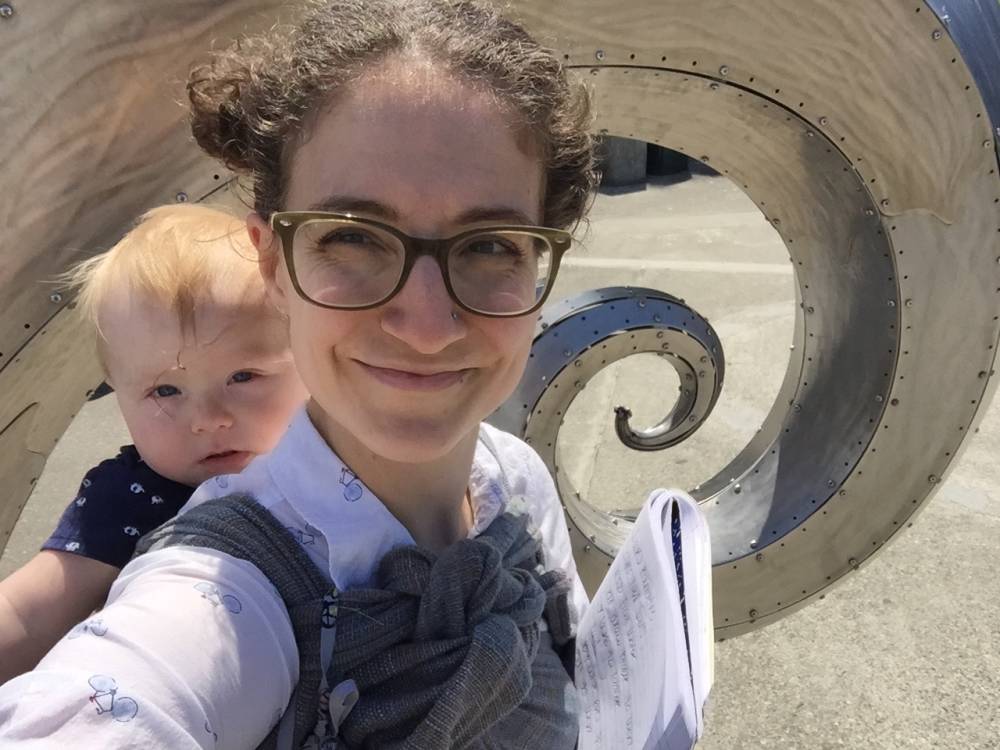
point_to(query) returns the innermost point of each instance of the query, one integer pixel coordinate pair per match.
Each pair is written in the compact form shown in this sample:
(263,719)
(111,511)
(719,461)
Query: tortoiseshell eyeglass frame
(286,223)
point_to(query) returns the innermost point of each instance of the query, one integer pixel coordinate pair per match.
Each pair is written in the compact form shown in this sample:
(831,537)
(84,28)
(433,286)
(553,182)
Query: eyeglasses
(345,262)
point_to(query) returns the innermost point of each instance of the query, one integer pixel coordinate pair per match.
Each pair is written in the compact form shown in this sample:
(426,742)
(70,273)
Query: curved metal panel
(93,135)
(860,132)
(974,25)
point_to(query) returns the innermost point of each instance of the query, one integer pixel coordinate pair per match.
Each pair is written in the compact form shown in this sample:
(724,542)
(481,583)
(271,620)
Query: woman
(405,158)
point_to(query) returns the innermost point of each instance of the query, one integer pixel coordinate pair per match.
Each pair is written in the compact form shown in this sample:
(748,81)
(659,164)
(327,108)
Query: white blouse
(195,649)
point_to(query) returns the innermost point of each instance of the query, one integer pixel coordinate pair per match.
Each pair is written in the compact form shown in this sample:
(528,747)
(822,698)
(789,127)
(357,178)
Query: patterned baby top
(119,500)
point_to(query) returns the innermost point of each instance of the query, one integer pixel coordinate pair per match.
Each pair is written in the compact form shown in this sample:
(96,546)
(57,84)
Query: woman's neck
(429,499)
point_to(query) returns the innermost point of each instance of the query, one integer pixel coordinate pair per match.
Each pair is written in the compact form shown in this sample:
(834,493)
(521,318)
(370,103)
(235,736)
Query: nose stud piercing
(454,314)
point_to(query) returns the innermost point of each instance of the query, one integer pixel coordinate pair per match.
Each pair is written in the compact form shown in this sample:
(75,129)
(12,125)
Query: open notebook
(645,646)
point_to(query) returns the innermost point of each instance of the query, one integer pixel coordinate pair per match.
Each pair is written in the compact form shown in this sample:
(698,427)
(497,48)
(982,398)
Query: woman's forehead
(431,146)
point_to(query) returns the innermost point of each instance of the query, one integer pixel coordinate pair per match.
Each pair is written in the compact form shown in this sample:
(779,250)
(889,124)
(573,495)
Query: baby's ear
(268,258)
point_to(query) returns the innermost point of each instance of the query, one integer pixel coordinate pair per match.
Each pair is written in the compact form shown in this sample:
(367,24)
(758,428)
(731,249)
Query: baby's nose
(209,416)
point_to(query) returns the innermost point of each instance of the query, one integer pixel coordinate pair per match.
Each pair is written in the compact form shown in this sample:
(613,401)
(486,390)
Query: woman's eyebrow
(350,204)
(494,213)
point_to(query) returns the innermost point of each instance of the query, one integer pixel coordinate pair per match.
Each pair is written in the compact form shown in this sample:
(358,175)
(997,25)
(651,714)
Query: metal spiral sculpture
(864,130)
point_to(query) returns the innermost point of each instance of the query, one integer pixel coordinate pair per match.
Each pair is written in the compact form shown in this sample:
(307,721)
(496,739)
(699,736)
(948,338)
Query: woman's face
(432,157)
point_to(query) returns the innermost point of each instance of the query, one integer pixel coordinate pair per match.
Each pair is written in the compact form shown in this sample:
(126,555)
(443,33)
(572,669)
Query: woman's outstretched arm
(194,649)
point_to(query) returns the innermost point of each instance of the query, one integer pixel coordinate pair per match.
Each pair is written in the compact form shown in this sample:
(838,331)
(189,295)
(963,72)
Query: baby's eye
(243,376)
(165,391)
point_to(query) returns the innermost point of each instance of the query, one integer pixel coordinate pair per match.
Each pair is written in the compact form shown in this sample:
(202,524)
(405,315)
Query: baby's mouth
(226,457)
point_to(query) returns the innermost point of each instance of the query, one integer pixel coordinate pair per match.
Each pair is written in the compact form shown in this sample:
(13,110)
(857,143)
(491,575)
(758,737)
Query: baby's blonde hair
(178,257)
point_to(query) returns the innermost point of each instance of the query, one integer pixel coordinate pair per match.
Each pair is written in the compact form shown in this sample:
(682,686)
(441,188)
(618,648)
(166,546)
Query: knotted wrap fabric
(446,649)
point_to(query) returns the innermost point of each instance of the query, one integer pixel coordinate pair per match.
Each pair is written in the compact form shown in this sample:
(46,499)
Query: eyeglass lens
(350,264)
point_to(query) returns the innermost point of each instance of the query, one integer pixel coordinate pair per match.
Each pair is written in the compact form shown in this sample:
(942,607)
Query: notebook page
(631,660)
(697,555)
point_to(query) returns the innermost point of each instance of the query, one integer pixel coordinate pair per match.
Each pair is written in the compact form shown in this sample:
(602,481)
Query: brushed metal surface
(861,133)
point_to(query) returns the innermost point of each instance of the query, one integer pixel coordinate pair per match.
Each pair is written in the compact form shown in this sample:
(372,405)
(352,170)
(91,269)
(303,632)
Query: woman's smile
(411,380)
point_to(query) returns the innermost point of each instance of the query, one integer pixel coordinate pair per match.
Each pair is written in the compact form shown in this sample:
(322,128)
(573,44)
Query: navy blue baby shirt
(119,500)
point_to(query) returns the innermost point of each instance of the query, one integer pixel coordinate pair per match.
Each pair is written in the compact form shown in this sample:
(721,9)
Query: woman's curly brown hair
(250,103)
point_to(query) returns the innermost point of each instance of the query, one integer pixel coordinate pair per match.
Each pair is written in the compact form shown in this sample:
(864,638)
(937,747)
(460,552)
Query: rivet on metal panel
(894,402)
(724,70)
(642,303)
(659,334)
(599,54)
(824,121)
(666,346)
(892,303)
(577,384)
(55,297)
(830,483)
(713,86)
(987,144)
(753,613)
(753,544)
(181,197)
(567,352)
(776,222)
(703,158)
(657,319)
(586,548)
(701,373)
(853,563)
(810,133)
(936,34)
(884,203)
(908,303)
(692,418)
(842,493)
(703,359)
(737,488)
(982,375)
(933,479)
(810,309)
(879,398)
(869,212)
(578,363)
(797,407)
(6,10)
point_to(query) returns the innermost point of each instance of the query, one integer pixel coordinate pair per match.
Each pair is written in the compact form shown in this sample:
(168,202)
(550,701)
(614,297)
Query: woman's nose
(421,314)
(210,415)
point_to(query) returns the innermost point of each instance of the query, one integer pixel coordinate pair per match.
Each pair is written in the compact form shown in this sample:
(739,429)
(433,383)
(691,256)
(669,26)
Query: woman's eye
(345,237)
(243,376)
(165,391)
(492,247)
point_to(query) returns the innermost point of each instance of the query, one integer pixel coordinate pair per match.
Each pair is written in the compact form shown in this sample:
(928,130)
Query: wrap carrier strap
(446,649)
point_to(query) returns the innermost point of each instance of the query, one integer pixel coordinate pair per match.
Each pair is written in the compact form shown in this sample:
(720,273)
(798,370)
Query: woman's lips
(412,381)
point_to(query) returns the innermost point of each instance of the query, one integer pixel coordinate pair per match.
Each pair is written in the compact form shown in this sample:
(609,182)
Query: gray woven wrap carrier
(445,650)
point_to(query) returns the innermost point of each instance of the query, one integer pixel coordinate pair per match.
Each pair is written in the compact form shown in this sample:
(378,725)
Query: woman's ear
(268,258)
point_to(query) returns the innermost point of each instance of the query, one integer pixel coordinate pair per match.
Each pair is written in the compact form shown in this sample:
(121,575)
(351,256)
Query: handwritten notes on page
(633,669)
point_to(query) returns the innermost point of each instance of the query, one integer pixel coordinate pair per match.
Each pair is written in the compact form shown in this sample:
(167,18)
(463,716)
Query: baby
(204,378)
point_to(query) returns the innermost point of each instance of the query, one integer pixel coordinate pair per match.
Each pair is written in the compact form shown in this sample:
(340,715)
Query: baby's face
(206,402)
